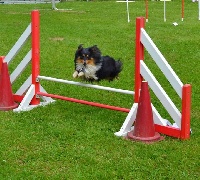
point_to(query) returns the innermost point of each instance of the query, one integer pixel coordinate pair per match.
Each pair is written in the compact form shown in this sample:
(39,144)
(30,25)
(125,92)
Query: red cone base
(144,129)
(156,137)
(6,95)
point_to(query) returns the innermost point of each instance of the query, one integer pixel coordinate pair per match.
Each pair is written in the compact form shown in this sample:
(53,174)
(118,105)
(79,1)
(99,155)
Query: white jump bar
(87,85)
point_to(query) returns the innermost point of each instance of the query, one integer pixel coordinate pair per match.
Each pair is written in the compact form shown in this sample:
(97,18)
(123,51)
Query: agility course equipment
(32,94)
(29,2)
(199,8)
(53,2)
(164,10)
(181,127)
(144,128)
(127,8)
(32,85)
(6,95)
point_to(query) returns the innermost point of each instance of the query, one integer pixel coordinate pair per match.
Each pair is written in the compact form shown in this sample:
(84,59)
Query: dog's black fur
(92,66)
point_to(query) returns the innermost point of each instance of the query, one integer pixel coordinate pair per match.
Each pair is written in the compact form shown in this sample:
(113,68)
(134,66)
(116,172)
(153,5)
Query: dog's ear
(80,47)
(78,51)
(95,49)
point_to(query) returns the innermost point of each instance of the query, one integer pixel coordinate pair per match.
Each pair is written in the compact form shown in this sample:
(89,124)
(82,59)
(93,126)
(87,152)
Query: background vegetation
(71,141)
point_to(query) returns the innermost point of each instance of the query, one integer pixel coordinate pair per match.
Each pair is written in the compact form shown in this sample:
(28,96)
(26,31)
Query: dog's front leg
(80,74)
(75,74)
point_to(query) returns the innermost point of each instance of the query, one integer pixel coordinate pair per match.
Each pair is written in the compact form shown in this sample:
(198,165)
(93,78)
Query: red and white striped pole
(35,29)
(139,55)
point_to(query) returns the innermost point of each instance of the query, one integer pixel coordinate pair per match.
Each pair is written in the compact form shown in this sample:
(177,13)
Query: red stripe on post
(186,108)
(35,28)
(146,6)
(182,10)
(139,55)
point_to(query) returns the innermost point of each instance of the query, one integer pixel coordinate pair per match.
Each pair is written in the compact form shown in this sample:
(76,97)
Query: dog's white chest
(90,71)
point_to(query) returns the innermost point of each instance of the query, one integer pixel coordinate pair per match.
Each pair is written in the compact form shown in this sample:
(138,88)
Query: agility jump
(32,84)
(30,94)
(181,119)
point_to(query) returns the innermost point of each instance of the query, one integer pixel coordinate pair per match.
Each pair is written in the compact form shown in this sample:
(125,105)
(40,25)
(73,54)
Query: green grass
(71,141)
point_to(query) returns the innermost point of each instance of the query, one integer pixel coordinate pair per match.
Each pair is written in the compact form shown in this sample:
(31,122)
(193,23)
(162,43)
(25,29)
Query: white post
(54,5)
(164,11)
(199,8)
(127,10)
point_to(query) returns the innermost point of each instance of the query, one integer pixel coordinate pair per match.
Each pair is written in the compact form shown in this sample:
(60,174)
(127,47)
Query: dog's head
(88,56)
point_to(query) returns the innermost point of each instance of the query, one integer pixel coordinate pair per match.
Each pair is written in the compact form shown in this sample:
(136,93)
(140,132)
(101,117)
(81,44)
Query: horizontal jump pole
(87,85)
(84,102)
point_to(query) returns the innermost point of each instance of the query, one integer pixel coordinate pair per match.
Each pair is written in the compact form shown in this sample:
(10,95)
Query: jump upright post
(181,126)
(35,29)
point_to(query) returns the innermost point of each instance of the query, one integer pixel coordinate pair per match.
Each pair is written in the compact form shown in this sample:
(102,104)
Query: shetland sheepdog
(92,66)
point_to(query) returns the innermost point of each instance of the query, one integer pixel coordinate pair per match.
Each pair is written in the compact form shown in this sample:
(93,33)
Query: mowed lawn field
(66,140)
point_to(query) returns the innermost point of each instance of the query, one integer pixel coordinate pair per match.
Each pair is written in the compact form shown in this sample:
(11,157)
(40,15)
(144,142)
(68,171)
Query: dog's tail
(119,66)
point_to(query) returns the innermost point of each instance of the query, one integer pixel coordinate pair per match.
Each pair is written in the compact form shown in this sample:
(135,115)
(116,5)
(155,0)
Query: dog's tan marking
(79,60)
(90,62)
